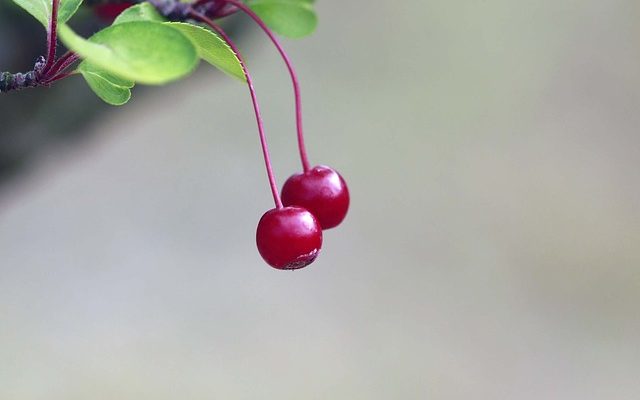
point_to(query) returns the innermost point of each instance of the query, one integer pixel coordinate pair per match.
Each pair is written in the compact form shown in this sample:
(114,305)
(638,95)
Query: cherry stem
(63,63)
(52,36)
(294,79)
(58,77)
(254,99)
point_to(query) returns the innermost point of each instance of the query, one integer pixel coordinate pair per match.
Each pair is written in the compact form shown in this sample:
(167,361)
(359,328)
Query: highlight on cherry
(155,42)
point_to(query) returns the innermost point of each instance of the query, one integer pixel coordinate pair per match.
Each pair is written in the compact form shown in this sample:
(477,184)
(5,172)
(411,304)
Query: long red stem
(294,78)
(52,36)
(263,139)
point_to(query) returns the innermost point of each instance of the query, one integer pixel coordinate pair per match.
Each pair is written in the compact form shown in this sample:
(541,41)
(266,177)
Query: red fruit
(289,237)
(109,12)
(322,191)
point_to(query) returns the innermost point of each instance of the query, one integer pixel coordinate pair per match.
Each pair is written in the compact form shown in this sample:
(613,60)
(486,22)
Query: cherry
(322,191)
(109,12)
(289,238)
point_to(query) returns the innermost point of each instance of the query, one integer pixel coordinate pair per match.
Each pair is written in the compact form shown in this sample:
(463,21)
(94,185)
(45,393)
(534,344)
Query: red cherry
(109,12)
(289,237)
(322,191)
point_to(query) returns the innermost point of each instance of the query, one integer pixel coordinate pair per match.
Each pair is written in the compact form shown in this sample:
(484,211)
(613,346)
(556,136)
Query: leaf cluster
(141,46)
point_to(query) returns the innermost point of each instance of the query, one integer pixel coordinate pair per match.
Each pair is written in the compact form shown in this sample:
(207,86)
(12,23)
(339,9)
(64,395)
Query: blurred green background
(492,250)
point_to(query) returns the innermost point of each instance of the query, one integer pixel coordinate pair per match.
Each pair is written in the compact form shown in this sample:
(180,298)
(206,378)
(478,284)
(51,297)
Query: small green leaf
(110,88)
(212,48)
(139,12)
(146,52)
(291,18)
(106,90)
(41,10)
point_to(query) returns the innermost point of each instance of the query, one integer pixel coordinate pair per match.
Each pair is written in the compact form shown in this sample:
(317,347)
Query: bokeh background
(492,250)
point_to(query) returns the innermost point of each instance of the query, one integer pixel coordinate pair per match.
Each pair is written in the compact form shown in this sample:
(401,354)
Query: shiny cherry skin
(289,238)
(109,12)
(322,191)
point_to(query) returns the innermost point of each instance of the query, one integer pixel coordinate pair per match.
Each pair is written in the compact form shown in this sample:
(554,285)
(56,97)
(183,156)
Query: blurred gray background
(491,252)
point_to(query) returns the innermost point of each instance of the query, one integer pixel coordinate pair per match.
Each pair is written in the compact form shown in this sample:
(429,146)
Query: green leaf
(105,85)
(41,10)
(146,52)
(139,12)
(110,88)
(212,48)
(291,18)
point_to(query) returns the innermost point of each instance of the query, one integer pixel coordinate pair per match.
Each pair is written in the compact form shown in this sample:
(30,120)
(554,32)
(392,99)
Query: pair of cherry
(288,236)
